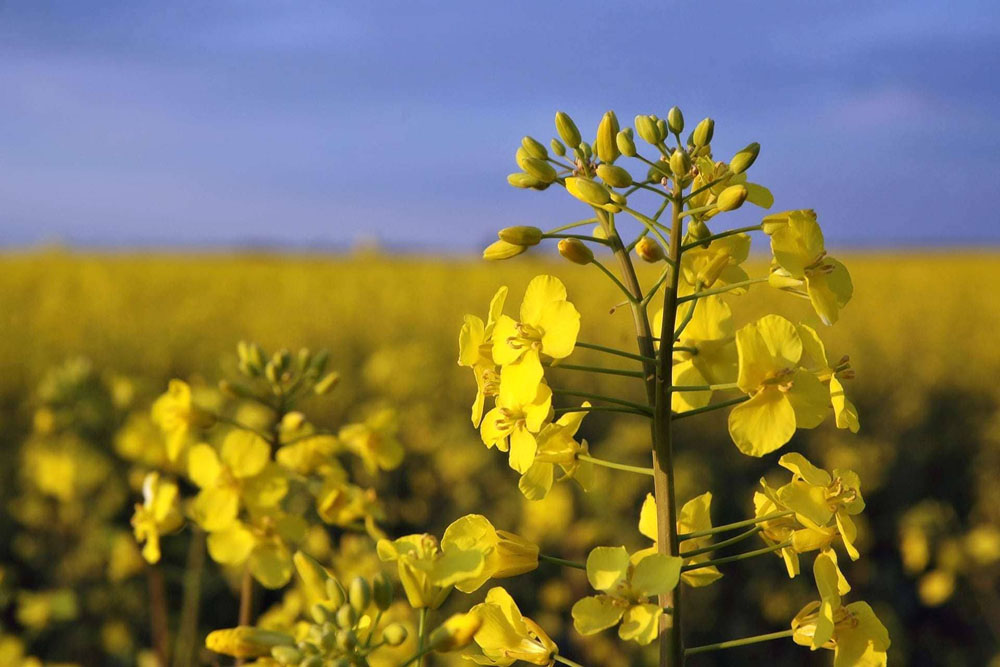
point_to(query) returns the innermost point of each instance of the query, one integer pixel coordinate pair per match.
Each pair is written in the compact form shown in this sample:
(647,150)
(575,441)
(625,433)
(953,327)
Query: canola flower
(158,514)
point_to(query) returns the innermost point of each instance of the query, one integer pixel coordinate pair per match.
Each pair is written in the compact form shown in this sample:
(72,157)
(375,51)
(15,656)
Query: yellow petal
(203,465)
(496,309)
(607,567)
(537,481)
(560,324)
(844,411)
(470,338)
(215,508)
(231,546)
(641,623)
(245,453)
(542,292)
(801,467)
(595,613)
(503,352)
(657,574)
(686,373)
(271,565)
(647,517)
(519,380)
(522,449)
(865,642)
(762,424)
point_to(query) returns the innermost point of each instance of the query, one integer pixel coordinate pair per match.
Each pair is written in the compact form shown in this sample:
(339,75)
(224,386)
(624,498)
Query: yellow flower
(776,531)
(513,424)
(475,350)
(506,636)
(549,325)
(374,441)
(783,396)
(263,545)
(427,571)
(801,262)
(177,416)
(626,587)
(557,446)
(455,633)
(505,554)
(719,263)
(695,516)
(158,514)
(814,354)
(341,503)
(246,641)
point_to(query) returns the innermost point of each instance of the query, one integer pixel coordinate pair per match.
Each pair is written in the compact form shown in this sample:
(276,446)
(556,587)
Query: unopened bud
(335,593)
(598,232)
(286,655)
(315,577)
(382,591)
(346,640)
(346,616)
(680,163)
(359,594)
(697,230)
(675,120)
(607,138)
(626,144)
(502,250)
(586,149)
(327,384)
(535,148)
(646,127)
(521,235)
(744,159)
(394,634)
(271,372)
(557,147)
(588,191)
(522,180)
(619,199)
(567,129)
(255,358)
(246,641)
(614,176)
(732,198)
(649,250)
(455,633)
(576,251)
(540,169)
(661,128)
(321,613)
(319,361)
(703,132)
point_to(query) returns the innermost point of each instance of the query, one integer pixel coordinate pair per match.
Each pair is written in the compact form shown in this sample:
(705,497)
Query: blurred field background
(94,337)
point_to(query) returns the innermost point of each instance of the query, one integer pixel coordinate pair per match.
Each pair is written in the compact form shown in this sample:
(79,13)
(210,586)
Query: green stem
(616,466)
(688,316)
(368,640)
(422,637)
(650,224)
(711,408)
(733,526)
(598,369)
(599,397)
(573,225)
(734,643)
(704,387)
(700,209)
(187,629)
(720,290)
(703,188)
(602,408)
(611,350)
(723,544)
(581,237)
(562,561)
(685,348)
(566,661)
(722,235)
(656,286)
(737,557)
(613,278)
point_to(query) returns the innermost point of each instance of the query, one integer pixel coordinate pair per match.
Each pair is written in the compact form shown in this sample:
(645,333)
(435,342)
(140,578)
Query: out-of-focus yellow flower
(801,263)
(506,554)
(341,503)
(695,516)
(177,416)
(513,424)
(375,441)
(626,587)
(262,543)
(506,636)
(936,587)
(475,350)
(37,609)
(783,396)
(556,445)
(246,641)
(427,571)
(124,559)
(12,653)
(310,454)
(157,515)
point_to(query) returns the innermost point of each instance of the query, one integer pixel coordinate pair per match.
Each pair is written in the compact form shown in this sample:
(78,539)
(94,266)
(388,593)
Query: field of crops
(90,340)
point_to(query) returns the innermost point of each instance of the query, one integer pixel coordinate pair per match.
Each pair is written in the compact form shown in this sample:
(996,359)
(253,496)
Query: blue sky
(325,123)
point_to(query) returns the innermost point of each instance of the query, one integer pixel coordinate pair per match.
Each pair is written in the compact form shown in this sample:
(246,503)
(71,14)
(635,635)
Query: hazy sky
(305,122)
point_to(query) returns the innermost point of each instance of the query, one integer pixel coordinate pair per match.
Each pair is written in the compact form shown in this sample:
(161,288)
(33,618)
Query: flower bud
(614,176)
(502,250)
(576,251)
(598,232)
(335,593)
(680,163)
(744,159)
(588,191)
(521,235)
(271,372)
(321,613)
(557,147)
(394,634)
(697,230)
(649,250)
(586,149)
(567,129)
(286,655)
(345,640)
(732,198)
(522,180)
(314,576)
(359,594)
(540,169)
(659,170)
(312,661)
(703,132)
(534,148)
(619,199)
(661,128)
(327,384)
(346,616)
(675,120)
(646,127)
(246,641)
(455,633)
(607,138)
(626,144)
(382,591)
(255,359)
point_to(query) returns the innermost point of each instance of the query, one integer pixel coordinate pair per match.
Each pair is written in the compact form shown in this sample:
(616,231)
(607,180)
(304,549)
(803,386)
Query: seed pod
(626,144)
(522,180)
(328,382)
(567,129)
(540,169)
(744,159)
(588,191)
(382,591)
(359,594)
(557,147)
(649,250)
(732,198)
(521,235)
(576,251)
(646,127)
(675,120)
(394,634)
(703,132)
(502,250)
(534,148)
(607,138)
(614,176)
(680,163)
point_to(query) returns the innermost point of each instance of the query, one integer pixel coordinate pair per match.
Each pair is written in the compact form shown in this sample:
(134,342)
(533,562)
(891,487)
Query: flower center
(527,337)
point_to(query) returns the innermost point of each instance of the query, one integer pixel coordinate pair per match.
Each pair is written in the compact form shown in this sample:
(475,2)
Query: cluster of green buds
(281,374)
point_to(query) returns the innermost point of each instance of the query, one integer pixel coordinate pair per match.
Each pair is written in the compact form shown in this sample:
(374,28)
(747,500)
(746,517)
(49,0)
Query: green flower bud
(312,661)
(271,372)
(567,129)
(697,230)
(346,640)
(626,144)
(302,359)
(619,199)
(744,159)
(534,148)
(614,176)
(576,251)
(732,198)
(675,120)
(326,385)
(243,351)
(255,359)
(321,613)
(646,127)
(346,616)
(557,147)
(382,591)
(282,359)
(319,361)
(659,170)
(588,191)
(315,578)
(394,634)
(540,169)
(649,250)
(359,594)
(607,138)
(661,128)
(335,593)
(702,134)
(502,250)
(521,235)
(286,655)
(586,149)
(680,163)
(522,180)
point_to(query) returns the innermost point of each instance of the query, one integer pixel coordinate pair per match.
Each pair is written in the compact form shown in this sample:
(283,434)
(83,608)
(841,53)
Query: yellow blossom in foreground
(177,416)
(475,350)
(695,516)
(506,554)
(156,515)
(814,354)
(556,446)
(716,265)
(506,636)
(513,424)
(706,351)
(427,571)
(262,544)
